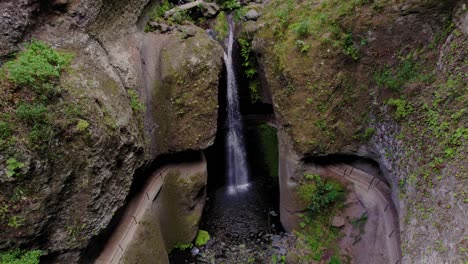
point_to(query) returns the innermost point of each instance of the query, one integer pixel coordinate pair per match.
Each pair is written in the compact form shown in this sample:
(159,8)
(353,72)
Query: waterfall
(237,170)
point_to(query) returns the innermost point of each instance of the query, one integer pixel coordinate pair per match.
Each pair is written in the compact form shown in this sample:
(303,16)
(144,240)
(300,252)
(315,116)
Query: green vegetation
(82,125)
(359,223)
(403,108)
(37,66)
(162,8)
(269,145)
(12,167)
(29,84)
(229,5)
(320,193)
(318,21)
(395,78)
(20,257)
(221,26)
(276,260)
(326,197)
(135,101)
(183,246)
(348,47)
(249,64)
(202,238)
(302,46)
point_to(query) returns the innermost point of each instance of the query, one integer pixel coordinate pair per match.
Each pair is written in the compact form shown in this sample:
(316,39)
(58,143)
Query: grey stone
(252,14)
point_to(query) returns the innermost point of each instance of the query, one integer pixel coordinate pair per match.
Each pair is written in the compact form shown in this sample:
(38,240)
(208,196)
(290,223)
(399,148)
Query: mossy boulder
(376,79)
(184,103)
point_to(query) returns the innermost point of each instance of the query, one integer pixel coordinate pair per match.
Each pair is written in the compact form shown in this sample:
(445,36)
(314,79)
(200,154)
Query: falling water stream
(240,212)
(237,169)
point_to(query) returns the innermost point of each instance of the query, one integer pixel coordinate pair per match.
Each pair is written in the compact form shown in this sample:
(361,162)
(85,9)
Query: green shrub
(334,260)
(183,246)
(269,145)
(302,29)
(32,114)
(403,108)
(17,256)
(39,135)
(159,11)
(230,5)
(368,133)
(5,130)
(12,167)
(302,46)
(396,78)
(82,125)
(221,26)
(37,65)
(321,194)
(202,238)
(135,101)
(348,46)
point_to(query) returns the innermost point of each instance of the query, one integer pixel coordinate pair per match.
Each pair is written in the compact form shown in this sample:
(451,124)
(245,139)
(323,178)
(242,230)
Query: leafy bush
(12,167)
(230,5)
(82,125)
(396,78)
(159,11)
(135,101)
(36,66)
(32,114)
(17,256)
(348,46)
(5,130)
(183,246)
(221,26)
(302,46)
(202,238)
(302,28)
(249,63)
(403,108)
(320,193)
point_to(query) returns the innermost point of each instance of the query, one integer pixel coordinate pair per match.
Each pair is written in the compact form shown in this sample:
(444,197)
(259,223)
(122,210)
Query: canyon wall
(380,80)
(140,95)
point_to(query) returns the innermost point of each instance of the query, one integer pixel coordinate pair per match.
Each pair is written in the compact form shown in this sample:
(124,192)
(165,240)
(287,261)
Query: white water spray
(238,178)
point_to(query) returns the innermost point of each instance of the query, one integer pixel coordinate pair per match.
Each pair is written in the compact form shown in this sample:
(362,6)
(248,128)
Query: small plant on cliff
(17,256)
(135,101)
(302,46)
(82,125)
(202,238)
(37,66)
(159,11)
(221,26)
(403,108)
(348,46)
(12,167)
(183,246)
(320,193)
(230,5)
(249,63)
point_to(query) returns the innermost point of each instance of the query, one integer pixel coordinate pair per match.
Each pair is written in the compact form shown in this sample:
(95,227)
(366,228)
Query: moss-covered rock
(74,181)
(377,79)
(181,205)
(185,95)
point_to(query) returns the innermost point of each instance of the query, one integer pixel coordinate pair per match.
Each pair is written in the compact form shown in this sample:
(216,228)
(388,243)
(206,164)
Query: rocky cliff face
(138,96)
(381,80)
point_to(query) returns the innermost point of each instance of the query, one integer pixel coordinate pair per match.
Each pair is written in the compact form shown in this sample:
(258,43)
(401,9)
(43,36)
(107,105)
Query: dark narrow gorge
(233,131)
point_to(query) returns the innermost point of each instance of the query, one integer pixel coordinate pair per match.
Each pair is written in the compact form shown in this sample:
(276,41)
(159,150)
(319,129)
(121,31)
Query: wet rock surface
(244,227)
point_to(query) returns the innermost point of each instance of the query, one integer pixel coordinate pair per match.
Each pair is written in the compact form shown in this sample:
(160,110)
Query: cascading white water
(238,178)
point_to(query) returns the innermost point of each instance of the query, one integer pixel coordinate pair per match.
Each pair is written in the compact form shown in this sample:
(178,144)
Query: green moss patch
(202,238)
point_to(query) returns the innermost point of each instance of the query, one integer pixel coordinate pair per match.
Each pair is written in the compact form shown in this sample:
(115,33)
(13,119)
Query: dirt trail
(379,241)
